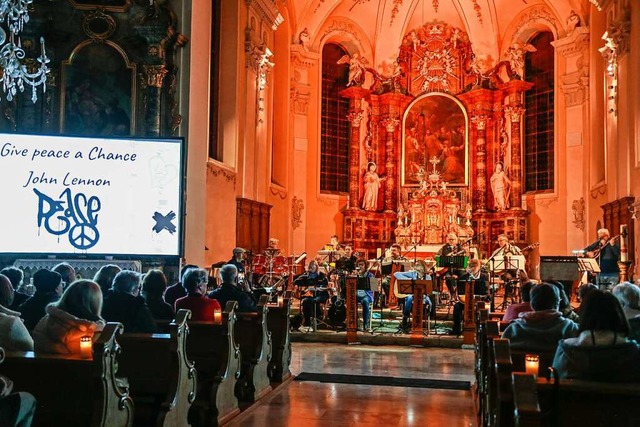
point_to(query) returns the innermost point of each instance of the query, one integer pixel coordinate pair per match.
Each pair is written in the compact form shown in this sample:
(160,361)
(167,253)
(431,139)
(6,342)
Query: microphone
(302,256)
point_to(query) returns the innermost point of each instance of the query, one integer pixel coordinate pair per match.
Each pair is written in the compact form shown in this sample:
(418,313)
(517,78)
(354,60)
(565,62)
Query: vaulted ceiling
(379,25)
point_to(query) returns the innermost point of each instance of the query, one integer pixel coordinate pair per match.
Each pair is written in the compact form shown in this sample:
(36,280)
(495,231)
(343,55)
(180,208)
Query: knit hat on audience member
(46,280)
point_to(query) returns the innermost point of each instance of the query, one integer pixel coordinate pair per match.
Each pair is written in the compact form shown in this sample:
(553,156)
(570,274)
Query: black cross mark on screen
(164,222)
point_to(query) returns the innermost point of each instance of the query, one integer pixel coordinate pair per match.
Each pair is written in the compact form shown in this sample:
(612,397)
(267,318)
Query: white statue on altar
(500,186)
(372,183)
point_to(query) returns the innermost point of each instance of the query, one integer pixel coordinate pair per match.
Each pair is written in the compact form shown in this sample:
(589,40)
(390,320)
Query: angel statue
(356,68)
(515,55)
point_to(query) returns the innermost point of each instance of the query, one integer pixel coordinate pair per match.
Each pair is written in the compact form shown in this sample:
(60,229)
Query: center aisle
(310,403)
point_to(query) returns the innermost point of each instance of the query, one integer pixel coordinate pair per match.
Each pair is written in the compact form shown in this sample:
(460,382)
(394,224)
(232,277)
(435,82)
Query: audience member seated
(48,286)
(565,304)
(602,351)
(124,304)
(77,314)
(104,276)
(314,283)
(16,276)
(583,290)
(195,282)
(16,408)
(67,272)
(628,295)
(229,291)
(513,310)
(176,291)
(13,334)
(154,284)
(542,328)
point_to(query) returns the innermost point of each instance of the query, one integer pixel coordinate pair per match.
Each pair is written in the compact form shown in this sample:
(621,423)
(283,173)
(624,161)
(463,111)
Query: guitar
(611,241)
(531,246)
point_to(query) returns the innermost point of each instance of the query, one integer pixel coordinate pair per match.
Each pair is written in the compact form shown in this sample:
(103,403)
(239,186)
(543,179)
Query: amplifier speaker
(559,270)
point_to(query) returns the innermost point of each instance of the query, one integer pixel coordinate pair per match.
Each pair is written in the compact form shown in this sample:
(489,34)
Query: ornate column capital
(390,123)
(155,74)
(480,120)
(299,101)
(302,58)
(575,43)
(355,117)
(514,112)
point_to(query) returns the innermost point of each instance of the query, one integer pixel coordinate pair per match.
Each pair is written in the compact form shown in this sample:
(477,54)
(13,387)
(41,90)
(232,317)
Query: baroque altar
(435,148)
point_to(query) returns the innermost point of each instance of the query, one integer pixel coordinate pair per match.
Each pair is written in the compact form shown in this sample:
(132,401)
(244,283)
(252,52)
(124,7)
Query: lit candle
(378,253)
(217,316)
(280,301)
(531,364)
(624,253)
(86,346)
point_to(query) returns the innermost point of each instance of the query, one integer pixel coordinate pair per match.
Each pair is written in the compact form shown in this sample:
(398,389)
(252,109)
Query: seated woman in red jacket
(202,307)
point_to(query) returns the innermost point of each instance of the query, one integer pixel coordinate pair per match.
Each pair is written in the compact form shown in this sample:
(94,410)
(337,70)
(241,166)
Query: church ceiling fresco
(382,24)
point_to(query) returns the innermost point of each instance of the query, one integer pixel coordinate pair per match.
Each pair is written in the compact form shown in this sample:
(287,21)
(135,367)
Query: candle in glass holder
(378,252)
(217,316)
(86,346)
(280,301)
(531,364)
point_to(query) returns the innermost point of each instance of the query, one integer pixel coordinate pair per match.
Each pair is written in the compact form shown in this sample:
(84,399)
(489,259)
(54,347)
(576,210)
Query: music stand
(451,263)
(308,283)
(589,266)
(408,287)
(506,263)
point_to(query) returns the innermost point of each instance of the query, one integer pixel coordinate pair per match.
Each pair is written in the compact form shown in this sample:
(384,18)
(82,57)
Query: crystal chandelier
(15,74)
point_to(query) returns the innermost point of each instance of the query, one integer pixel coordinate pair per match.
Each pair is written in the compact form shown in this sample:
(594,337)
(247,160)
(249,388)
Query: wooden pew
(551,401)
(162,379)
(71,390)
(481,320)
(254,341)
(501,394)
(570,402)
(486,361)
(278,326)
(216,356)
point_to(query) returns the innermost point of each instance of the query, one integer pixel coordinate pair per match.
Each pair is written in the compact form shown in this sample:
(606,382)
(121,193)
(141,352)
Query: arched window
(538,132)
(334,145)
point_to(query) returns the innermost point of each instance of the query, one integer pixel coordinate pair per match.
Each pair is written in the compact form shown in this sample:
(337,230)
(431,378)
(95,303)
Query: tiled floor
(313,404)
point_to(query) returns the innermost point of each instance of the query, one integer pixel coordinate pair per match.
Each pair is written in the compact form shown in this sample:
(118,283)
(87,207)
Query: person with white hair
(607,251)
(629,296)
(229,290)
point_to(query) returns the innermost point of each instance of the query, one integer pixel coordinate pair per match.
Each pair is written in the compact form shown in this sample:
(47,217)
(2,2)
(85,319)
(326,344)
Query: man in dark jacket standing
(229,290)
(123,304)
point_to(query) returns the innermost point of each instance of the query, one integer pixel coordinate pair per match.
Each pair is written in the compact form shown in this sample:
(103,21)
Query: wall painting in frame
(435,135)
(98,91)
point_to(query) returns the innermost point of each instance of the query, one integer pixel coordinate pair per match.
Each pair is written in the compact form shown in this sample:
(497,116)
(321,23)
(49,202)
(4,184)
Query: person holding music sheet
(473,273)
(333,245)
(318,282)
(395,255)
(364,297)
(607,251)
(451,248)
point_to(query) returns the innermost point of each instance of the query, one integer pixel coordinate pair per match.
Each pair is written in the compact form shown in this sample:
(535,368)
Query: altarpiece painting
(435,140)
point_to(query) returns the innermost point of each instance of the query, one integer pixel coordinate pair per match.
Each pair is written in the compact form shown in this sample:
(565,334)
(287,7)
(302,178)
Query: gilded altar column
(480,121)
(514,113)
(155,75)
(390,196)
(355,118)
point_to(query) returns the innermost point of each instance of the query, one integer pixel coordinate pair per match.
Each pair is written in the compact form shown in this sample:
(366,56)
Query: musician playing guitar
(395,255)
(607,251)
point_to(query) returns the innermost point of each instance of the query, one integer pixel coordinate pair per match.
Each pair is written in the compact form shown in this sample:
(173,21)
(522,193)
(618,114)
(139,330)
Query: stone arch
(529,22)
(347,34)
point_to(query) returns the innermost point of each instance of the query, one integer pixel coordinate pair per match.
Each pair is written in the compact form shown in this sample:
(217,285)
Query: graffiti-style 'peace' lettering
(78,217)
